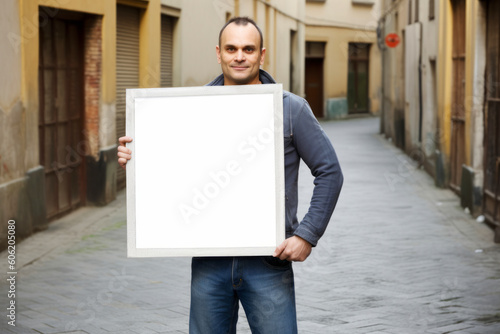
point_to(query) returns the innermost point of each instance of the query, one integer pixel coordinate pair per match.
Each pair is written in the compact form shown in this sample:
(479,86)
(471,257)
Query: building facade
(343,72)
(65,67)
(445,118)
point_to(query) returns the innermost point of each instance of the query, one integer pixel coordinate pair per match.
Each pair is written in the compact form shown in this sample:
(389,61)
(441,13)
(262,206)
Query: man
(264,285)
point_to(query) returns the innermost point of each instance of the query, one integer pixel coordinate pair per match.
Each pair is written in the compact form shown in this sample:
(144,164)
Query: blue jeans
(264,285)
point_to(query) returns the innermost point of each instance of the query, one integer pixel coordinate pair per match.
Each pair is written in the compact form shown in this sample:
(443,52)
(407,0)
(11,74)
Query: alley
(400,256)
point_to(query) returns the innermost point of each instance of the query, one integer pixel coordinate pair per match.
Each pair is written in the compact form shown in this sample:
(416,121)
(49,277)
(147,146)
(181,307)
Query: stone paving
(400,256)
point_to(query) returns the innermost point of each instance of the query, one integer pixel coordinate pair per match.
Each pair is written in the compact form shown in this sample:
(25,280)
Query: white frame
(264,100)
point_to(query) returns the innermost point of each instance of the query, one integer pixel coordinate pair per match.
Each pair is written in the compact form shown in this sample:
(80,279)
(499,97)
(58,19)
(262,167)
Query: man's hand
(293,249)
(124,153)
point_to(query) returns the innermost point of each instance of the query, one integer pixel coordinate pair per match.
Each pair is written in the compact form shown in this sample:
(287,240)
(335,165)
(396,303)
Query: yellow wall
(375,79)
(336,60)
(444,80)
(30,29)
(194,59)
(198,64)
(149,45)
(149,67)
(107,8)
(343,14)
(339,23)
(13,135)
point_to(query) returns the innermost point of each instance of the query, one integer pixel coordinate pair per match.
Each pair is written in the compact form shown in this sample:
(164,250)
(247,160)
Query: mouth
(239,68)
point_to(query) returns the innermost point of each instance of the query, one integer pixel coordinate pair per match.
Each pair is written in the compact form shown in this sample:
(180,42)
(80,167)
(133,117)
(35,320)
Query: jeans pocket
(276,263)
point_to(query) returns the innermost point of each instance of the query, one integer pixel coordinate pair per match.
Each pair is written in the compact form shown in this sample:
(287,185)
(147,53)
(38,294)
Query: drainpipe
(420,89)
(381,47)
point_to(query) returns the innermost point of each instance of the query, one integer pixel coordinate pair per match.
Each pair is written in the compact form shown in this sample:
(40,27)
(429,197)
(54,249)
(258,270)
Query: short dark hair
(243,21)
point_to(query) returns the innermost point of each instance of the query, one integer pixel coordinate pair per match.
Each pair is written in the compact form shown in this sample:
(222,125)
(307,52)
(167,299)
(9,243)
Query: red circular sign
(392,40)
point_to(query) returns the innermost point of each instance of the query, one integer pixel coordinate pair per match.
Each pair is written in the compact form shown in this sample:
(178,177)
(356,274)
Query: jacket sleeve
(316,150)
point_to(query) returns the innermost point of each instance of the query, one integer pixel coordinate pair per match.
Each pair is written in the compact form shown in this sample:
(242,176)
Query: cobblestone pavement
(400,256)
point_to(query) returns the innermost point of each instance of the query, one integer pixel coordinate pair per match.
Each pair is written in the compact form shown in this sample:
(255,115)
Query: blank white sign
(206,176)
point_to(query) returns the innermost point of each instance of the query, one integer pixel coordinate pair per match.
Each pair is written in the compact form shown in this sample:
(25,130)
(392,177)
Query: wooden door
(61,113)
(314,85)
(491,198)
(457,156)
(357,81)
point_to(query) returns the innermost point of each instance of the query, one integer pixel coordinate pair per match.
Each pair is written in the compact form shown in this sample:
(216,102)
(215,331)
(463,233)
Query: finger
(124,149)
(124,155)
(125,139)
(122,162)
(279,249)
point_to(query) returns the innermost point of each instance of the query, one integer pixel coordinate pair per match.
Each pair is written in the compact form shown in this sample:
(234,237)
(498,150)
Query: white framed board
(206,176)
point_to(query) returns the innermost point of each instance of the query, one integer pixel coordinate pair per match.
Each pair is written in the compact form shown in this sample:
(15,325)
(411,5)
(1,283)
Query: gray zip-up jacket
(306,140)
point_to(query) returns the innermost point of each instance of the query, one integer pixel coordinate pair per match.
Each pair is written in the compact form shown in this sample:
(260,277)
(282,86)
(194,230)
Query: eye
(230,49)
(249,49)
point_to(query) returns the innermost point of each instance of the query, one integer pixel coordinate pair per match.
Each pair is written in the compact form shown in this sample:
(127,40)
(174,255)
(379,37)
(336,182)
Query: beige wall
(393,103)
(437,83)
(195,62)
(475,100)
(337,38)
(429,54)
(198,29)
(343,13)
(22,179)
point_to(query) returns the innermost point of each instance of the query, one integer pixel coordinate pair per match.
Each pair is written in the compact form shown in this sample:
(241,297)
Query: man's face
(239,54)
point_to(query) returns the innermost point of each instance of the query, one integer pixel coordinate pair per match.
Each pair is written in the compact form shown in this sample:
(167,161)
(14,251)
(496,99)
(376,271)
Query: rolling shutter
(127,67)
(167,41)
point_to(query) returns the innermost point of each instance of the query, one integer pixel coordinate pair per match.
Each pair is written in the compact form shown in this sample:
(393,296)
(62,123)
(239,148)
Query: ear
(217,51)
(262,56)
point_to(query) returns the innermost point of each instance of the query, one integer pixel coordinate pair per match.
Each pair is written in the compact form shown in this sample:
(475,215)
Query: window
(363,2)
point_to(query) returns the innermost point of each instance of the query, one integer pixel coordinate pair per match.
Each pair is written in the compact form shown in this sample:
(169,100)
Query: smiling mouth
(239,68)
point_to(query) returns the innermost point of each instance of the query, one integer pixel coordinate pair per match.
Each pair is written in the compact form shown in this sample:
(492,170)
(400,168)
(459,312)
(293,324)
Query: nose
(240,56)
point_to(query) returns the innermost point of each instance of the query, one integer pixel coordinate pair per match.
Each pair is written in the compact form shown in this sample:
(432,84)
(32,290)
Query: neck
(227,82)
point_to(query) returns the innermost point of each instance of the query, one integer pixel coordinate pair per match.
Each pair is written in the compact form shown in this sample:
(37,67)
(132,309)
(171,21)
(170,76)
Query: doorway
(315,53)
(491,192)
(457,155)
(61,110)
(357,81)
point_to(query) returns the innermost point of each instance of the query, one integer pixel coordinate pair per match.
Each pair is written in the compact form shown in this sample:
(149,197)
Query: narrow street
(400,257)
